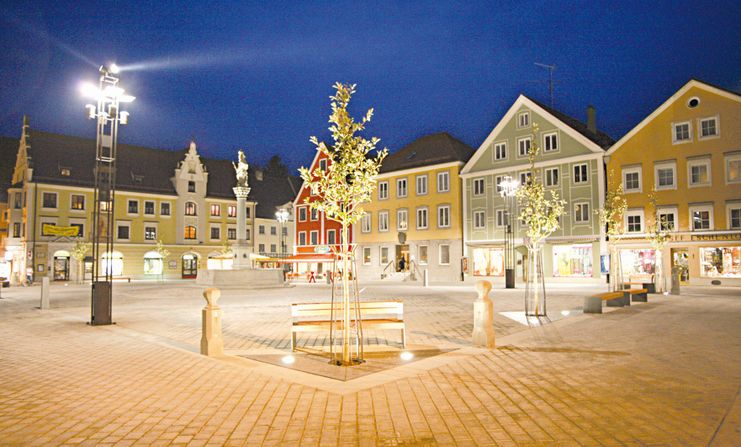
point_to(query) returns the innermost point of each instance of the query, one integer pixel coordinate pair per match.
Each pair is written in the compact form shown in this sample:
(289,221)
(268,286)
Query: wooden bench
(315,317)
(637,295)
(649,286)
(593,304)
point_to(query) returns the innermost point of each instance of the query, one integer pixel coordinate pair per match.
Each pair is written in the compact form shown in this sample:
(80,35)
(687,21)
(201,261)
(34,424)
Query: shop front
(720,262)
(638,263)
(574,261)
(488,261)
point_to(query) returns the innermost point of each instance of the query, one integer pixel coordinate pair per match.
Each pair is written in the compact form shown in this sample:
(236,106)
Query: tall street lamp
(282,216)
(508,189)
(108,115)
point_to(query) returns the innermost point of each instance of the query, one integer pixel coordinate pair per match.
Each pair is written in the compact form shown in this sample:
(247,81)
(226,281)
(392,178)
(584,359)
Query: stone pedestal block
(483,317)
(44,293)
(212,343)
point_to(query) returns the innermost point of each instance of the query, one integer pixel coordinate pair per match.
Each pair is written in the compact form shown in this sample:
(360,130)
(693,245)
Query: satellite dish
(402,237)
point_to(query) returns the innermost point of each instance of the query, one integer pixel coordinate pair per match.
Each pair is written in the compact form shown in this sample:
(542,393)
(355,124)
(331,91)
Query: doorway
(680,258)
(61,268)
(190,266)
(402,252)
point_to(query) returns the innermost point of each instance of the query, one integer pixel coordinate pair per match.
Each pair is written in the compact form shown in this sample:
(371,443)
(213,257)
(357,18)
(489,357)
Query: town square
(388,224)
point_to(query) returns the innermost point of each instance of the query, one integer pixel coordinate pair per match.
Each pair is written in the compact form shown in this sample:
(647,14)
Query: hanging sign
(54,230)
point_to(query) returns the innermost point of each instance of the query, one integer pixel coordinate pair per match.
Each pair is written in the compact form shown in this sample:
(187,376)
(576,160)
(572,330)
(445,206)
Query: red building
(315,236)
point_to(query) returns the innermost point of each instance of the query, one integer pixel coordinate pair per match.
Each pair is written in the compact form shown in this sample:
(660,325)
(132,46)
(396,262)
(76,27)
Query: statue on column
(241,169)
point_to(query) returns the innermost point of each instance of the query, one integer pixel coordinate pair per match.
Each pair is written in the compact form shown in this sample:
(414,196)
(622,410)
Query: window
(314,236)
(580,173)
(581,212)
(479,220)
(733,168)
(44,228)
(149,207)
(215,210)
(16,229)
(77,202)
(150,233)
(247,212)
(122,232)
(701,217)
(215,233)
(501,218)
(666,175)
(709,127)
(273,230)
(478,187)
(231,211)
(550,142)
(402,219)
(523,147)
(231,233)
(681,132)
(724,262)
(551,177)
(261,248)
(190,209)
(444,254)
(331,237)
(383,190)
(314,214)
(18,201)
(80,229)
(500,151)
(301,238)
(189,232)
(133,207)
(323,164)
(634,221)
(421,218)
(422,254)
(632,179)
(247,234)
(383,221)
(384,255)
(698,172)
(525,177)
(365,223)
(421,181)
(285,231)
(164,208)
(191,186)
(261,229)
(733,211)
(302,214)
(50,200)
(366,255)
(273,248)
(443,216)
(443,181)
(523,119)
(401,187)
(153,264)
(667,218)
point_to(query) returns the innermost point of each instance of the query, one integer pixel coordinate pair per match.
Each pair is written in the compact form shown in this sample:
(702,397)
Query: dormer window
(191,186)
(190,209)
(64,171)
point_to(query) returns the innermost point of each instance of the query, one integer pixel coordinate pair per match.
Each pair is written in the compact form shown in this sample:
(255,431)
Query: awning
(309,257)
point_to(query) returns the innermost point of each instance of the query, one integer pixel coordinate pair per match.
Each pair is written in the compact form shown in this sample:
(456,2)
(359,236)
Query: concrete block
(44,293)
(592,305)
(212,343)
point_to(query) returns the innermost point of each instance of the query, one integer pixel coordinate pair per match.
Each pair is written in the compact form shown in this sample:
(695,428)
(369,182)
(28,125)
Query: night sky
(257,75)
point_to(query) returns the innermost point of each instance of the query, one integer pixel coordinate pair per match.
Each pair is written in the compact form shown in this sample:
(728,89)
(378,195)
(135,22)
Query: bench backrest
(302,310)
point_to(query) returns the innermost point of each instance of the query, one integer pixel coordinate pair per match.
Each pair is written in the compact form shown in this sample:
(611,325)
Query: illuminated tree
(164,254)
(611,217)
(658,235)
(346,184)
(540,216)
(78,253)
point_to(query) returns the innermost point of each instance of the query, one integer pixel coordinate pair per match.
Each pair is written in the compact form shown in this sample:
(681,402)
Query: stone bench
(593,304)
(637,295)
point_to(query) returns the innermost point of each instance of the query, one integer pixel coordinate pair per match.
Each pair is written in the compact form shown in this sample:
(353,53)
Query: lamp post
(508,190)
(108,116)
(282,216)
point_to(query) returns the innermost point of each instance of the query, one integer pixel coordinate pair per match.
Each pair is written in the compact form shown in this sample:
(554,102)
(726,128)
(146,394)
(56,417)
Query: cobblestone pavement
(663,373)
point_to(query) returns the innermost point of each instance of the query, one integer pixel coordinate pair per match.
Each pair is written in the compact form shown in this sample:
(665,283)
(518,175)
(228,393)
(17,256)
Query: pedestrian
(402,264)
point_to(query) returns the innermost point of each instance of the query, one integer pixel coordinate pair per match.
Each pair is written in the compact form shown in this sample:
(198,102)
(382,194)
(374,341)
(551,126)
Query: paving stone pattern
(662,373)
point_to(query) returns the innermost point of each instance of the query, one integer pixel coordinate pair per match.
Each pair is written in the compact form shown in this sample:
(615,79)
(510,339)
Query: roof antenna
(550,69)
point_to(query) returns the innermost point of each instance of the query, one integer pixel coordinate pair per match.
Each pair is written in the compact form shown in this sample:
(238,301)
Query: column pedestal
(241,248)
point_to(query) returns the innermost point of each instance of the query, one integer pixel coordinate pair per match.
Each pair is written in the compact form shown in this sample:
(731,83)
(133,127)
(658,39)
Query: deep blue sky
(256,75)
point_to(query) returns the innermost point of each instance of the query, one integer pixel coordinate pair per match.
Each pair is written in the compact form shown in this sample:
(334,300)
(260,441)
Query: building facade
(415,214)
(571,164)
(177,198)
(688,151)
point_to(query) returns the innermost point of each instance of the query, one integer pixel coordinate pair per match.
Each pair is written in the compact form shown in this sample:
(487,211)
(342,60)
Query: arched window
(153,264)
(190,232)
(190,209)
(112,263)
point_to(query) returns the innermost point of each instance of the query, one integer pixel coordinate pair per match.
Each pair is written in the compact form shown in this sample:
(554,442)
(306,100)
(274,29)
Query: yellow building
(689,151)
(175,197)
(415,214)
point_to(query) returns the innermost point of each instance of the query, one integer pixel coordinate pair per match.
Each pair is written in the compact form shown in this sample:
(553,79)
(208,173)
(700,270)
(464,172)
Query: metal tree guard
(108,115)
(337,321)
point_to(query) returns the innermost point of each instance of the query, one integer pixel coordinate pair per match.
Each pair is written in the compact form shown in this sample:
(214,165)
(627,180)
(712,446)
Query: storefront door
(61,269)
(402,252)
(190,266)
(680,258)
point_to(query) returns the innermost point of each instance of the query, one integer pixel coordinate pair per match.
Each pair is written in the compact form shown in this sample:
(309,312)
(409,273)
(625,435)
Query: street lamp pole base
(509,278)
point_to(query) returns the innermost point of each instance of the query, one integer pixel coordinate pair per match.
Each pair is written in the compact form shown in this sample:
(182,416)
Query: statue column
(241,248)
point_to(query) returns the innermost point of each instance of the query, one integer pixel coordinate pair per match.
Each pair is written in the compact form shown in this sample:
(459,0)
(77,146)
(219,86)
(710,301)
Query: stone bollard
(212,344)
(425,279)
(483,317)
(676,278)
(44,293)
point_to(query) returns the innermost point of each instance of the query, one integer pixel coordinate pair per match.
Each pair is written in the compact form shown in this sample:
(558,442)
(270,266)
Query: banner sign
(53,230)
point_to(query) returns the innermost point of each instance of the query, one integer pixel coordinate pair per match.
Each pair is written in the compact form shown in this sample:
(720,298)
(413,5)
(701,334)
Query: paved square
(662,373)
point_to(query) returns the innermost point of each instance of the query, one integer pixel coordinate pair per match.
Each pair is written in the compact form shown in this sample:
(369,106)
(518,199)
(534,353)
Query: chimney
(591,119)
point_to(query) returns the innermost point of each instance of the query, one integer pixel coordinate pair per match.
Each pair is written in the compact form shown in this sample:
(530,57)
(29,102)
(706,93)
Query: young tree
(540,215)
(78,253)
(611,217)
(345,186)
(164,254)
(658,235)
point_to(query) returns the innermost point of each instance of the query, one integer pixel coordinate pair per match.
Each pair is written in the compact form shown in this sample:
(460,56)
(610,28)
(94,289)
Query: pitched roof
(143,169)
(599,138)
(8,151)
(428,150)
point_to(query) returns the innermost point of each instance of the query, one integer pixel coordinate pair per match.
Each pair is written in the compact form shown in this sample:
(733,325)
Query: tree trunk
(659,273)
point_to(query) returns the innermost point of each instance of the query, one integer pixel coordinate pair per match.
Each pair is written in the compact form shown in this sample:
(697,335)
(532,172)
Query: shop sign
(323,249)
(54,230)
(716,237)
